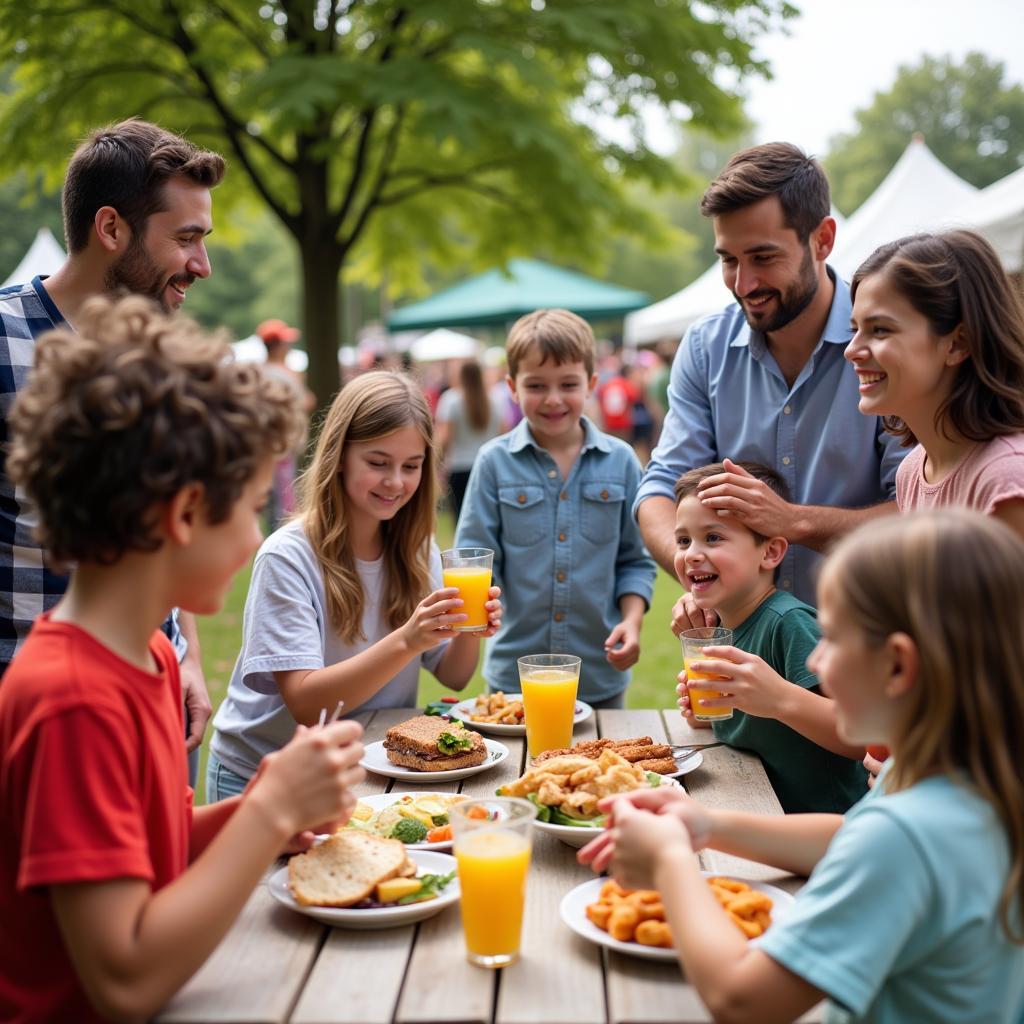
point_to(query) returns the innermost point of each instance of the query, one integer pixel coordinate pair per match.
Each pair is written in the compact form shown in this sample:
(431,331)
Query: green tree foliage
(971,118)
(384,134)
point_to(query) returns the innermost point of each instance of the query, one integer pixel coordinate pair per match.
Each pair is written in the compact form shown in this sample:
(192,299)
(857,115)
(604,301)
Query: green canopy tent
(499,297)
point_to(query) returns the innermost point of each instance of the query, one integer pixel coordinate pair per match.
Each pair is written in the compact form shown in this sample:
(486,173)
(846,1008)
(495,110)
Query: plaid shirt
(27,587)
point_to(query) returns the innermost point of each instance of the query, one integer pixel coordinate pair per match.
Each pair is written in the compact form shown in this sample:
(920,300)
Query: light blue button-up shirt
(565,551)
(729,399)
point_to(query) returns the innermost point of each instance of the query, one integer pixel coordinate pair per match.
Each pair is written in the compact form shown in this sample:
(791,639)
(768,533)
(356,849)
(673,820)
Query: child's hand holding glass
(752,685)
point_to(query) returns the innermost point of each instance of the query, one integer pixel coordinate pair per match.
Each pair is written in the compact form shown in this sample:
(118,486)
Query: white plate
(576,835)
(382,800)
(573,910)
(427,862)
(375,759)
(687,765)
(465,708)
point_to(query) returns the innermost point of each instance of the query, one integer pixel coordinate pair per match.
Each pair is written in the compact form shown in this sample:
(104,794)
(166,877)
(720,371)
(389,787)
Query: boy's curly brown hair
(118,417)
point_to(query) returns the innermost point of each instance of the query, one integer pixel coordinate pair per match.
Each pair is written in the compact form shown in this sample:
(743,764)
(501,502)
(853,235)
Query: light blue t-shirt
(565,551)
(286,626)
(727,398)
(898,922)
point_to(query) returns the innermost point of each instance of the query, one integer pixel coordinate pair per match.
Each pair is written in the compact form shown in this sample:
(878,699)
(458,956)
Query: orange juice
(549,701)
(473,584)
(703,692)
(492,876)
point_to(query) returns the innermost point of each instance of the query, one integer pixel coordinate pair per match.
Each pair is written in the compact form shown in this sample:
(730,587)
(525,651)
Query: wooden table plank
(257,972)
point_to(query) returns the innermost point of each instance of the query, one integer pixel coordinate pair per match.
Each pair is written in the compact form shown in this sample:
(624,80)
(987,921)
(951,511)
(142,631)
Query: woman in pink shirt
(939,352)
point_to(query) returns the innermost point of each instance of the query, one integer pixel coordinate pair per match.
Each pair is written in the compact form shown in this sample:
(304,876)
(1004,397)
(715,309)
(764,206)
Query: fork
(681,751)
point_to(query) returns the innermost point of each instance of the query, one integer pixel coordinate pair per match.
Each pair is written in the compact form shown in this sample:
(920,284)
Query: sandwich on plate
(430,744)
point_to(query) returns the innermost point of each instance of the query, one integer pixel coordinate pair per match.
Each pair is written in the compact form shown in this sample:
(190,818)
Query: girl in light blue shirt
(914,910)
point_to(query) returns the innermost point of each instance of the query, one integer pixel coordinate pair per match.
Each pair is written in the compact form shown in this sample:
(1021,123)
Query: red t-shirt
(93,787)
(616,397)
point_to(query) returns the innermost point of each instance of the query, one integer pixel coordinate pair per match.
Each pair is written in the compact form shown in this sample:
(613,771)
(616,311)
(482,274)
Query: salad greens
(556,816)
(430,886)
(450,742)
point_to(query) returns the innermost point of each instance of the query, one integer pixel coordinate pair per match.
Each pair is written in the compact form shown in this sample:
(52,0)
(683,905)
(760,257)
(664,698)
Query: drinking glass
(549,683)
(492,848)
(469,569)
(694,641)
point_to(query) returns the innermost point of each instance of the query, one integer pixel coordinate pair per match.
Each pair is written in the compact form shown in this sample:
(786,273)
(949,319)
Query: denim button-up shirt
(729,399)
(565,551)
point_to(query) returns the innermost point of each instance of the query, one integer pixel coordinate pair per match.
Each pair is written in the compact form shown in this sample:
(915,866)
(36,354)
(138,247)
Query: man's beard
(791,303)
(136,272)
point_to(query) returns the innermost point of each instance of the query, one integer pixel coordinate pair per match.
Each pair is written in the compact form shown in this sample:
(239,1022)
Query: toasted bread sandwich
(431,744)
(346,868)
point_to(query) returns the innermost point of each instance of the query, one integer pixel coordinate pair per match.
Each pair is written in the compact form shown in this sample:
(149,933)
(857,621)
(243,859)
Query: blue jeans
(221,781)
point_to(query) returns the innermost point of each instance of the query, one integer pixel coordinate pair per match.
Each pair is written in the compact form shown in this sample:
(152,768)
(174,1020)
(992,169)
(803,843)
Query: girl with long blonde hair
(914,910)
(346,600)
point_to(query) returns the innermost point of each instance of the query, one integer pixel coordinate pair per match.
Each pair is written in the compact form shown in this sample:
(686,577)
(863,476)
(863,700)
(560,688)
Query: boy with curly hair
(148,453)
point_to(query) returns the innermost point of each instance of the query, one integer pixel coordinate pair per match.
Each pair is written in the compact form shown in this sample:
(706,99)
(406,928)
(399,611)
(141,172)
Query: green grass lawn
(654,677)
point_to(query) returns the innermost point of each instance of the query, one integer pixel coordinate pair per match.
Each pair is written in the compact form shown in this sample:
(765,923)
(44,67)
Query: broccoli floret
(409,830)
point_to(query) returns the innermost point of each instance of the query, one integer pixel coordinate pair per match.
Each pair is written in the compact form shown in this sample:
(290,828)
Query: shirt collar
(837,328)
(521,437)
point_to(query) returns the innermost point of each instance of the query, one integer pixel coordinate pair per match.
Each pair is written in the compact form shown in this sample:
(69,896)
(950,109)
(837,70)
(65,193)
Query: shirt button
(786,461)
(564,496)
(604,495)
(552,473)
(787,410)
(558,616)
(786,585)
(521,499)
(561,536)
(560,576)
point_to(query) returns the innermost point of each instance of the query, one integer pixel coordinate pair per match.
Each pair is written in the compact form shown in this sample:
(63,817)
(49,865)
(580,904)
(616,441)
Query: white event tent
(997,212)
(44,256)
(917,195)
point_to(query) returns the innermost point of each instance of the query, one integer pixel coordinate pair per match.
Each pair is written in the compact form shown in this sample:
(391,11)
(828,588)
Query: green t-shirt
(783,631)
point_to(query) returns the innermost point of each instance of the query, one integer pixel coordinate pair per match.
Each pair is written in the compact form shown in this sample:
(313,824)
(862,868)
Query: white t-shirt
(286,626)
(465,441)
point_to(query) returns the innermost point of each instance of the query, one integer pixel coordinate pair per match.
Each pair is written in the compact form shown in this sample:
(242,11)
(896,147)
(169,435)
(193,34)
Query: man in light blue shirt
(766,381)
(553,499)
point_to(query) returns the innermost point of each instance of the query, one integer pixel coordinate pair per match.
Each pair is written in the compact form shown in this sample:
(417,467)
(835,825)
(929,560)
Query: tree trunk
(321,309)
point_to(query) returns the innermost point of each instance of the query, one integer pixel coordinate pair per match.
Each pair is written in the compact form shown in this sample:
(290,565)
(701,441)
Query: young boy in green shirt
(779,712)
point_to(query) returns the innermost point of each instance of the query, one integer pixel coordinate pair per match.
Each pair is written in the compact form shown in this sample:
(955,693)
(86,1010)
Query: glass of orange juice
(549,683)
(694,642)
(469,569)
(492,849)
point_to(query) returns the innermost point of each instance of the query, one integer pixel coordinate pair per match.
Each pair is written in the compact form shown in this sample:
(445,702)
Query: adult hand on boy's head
(751,501)
(686,615)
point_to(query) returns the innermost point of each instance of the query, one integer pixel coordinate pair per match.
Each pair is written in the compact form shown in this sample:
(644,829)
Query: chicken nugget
(653,933)
(584,775)
(550,793)
(746,904)
(764,919)
(651,911)
(729,883)
(579,802)
(661,766)
(599,913)
(749,928)
(622,922)
(612,890)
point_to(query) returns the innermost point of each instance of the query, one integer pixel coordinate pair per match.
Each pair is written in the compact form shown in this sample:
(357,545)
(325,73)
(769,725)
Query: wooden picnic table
(277,966)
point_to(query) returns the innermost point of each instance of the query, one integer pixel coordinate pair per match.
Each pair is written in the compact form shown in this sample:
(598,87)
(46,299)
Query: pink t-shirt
(992,472)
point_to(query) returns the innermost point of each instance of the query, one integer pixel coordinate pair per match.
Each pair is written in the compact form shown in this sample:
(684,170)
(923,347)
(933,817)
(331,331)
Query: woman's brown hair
(956,280)
(370,406)
(953,581)
(478,404)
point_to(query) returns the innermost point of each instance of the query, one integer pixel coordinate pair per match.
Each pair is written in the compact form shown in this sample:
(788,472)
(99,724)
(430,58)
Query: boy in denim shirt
(552,498)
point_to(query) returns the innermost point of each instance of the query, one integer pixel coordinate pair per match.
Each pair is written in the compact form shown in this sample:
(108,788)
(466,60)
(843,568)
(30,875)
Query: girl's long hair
(955,280)
(953,581)
(370,406)
(478,404)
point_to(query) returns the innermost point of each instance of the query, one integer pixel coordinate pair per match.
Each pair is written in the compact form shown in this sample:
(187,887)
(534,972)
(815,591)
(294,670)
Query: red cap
(277,330)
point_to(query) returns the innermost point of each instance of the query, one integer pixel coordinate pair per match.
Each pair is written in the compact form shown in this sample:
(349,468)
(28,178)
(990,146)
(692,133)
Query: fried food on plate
(637,915)
(575,783)
(497,709)
(639,750)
